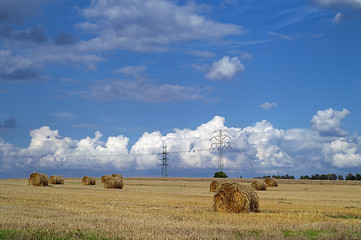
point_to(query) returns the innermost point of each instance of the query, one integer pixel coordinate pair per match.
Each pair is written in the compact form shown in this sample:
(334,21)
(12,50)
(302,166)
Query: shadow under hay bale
(105,177)
(259,186)
(214,186)
(38,179)
(113,183)
(117,176)
(56,179)
(271,182)
(89,180)
(235,198)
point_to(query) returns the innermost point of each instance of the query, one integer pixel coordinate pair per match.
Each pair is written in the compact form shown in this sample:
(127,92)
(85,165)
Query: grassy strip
(308,234)
(347,217)
(247,234)
(46,234)
(317,234)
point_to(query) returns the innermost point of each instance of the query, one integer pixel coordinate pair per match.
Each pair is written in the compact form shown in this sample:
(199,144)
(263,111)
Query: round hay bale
(214,186)
(117,175)
(114,183)
(56,179)
(271,182)
(38,179)
(259,186)
(104,177)
(235,198)
(89,180)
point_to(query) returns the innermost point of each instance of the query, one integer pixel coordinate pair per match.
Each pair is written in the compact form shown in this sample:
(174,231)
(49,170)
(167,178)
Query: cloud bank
(148,25)
(135,25)
(259,149)
(352,4)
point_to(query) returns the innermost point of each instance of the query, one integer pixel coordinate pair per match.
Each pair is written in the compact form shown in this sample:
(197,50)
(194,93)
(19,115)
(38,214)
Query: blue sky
(95,87)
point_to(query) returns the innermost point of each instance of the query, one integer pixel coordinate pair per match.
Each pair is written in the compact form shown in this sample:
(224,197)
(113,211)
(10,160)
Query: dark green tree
(323,177)
(331,176)
(220,174)
(315,177)
(350,176)
(340,177)
(358,177)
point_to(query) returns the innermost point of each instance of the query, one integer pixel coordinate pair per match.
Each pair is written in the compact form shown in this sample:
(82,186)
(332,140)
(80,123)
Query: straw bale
(214,186)
(88,180)
(38,179)
(113,182)
(271,182)
(104,177)
(235,198)
(259,185)
(56,179)
(117,176)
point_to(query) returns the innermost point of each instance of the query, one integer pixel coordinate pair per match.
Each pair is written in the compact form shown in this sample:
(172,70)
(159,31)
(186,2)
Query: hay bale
(259,186)
(56,179)
(114,183)
(105,177)
(214,186)
(235,198)
(88,180)
(271,182)
(117,176)
(38,179)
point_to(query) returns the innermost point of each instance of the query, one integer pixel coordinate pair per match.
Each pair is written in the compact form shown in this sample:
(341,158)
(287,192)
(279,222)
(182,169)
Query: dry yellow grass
(178,209)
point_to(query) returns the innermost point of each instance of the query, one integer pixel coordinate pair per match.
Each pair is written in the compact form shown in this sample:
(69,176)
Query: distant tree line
(333,176)
(278,177)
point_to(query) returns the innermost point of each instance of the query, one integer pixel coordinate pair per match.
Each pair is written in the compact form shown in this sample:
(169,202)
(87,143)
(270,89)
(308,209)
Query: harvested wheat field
(177,208)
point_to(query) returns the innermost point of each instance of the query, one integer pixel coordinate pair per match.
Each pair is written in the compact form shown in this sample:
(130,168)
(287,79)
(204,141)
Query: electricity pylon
(164,163)
(221,142)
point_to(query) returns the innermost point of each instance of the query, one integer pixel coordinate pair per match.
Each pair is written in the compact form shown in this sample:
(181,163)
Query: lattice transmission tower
(164,161)
(220,141)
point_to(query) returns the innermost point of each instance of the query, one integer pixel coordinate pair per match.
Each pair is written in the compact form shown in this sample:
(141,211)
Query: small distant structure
(164,162)
(221,141)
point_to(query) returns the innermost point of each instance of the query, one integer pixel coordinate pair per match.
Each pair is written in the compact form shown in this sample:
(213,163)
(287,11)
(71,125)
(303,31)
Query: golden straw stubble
(38,179)
(235,198)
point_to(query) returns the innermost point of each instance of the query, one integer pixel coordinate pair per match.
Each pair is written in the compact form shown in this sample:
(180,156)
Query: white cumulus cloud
(225,68)
(328,122)
(344,152)
(48,149)
(268,106)
(258,149)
